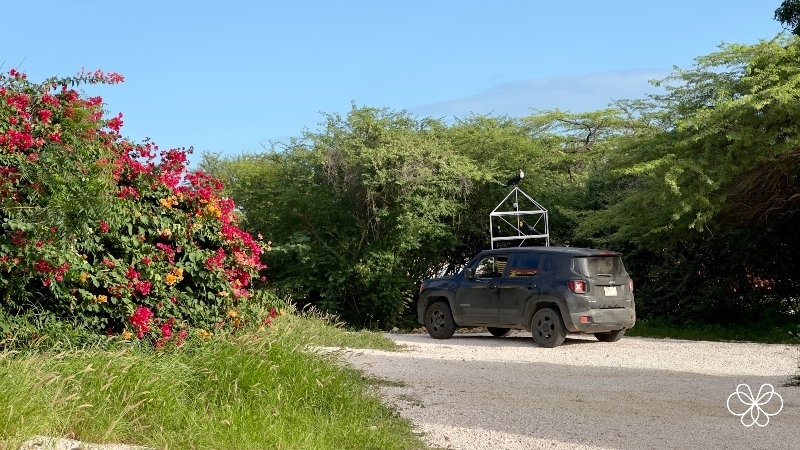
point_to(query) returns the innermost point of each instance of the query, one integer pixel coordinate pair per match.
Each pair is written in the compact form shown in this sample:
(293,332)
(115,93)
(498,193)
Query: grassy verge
(255,390)
(765,333)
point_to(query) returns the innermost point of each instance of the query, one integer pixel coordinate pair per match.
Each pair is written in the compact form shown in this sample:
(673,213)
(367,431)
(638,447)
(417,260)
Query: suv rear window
(599,266)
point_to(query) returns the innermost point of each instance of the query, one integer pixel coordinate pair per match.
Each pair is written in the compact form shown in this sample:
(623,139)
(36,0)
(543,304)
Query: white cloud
(575,93)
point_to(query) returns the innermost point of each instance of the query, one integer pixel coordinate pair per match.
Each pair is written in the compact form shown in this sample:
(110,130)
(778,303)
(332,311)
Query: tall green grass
(764,332)
(262,389)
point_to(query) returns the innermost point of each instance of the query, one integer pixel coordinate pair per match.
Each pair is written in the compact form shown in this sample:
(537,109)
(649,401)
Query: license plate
(611,291)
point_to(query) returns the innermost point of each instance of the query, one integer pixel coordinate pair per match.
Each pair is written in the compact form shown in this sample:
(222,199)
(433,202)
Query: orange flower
(174,276)
(204,334)
(169,202)
(170,279)
(100,298)
(213,210)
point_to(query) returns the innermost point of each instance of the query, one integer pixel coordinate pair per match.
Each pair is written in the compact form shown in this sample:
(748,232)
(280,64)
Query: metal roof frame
(536,212)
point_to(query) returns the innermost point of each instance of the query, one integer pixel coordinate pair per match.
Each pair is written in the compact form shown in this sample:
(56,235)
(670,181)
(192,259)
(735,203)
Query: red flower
(45,115)
(141,319)
(104,226)
(166,331)
(132,274)
(273,313)
(115,123)
(143,287)
(217,260)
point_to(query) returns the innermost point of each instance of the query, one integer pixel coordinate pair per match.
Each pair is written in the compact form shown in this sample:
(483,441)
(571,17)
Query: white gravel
(475,391)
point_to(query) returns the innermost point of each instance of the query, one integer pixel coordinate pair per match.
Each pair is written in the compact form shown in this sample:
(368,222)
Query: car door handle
(531,286)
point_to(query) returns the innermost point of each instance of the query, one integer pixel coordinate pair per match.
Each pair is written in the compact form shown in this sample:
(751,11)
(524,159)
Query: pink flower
(141,319)
(143,287)
(217,260)
(166,330)
(45,115)
(132,274)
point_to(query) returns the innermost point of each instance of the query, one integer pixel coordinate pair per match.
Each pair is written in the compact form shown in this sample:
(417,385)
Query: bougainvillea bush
(107,234)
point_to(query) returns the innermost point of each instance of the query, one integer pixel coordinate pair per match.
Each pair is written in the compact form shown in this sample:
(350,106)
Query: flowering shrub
(109,234)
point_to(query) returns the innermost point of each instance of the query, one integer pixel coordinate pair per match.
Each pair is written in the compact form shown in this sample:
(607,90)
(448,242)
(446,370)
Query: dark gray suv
(547,290)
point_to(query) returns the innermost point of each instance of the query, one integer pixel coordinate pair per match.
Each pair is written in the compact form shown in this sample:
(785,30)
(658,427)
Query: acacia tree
(726,138)
(708,191)
(106,234)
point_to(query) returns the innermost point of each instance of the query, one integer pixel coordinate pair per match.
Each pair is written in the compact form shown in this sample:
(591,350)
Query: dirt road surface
(476,391)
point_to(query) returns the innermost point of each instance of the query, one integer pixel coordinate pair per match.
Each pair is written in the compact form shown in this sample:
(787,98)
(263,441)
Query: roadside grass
(765,333)
(261,389)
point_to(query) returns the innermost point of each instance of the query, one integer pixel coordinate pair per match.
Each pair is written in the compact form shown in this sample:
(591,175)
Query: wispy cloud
(576,93)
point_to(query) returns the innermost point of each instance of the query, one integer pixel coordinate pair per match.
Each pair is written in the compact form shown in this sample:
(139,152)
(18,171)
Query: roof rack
(529,221)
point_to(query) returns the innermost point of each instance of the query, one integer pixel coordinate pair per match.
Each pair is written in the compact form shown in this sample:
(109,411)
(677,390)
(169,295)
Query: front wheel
(611,336)
(439,321)
(498,331)
(548,328)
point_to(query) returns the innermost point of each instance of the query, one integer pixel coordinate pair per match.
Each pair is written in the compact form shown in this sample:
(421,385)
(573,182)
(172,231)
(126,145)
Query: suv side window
(524,265)
(491,267)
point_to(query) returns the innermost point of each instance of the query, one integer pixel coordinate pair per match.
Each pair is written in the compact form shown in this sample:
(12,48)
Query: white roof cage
(518,219)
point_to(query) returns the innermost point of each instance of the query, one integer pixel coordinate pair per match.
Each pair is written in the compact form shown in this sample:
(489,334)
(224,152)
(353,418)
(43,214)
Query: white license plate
(611,291)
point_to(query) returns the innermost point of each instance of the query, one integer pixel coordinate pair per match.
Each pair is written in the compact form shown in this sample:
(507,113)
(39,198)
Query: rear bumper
(602,320)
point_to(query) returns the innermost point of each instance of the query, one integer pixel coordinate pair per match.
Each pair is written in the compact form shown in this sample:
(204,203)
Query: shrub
(108,234)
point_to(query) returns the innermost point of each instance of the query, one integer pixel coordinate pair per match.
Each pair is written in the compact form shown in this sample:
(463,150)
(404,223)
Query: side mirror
(469,273)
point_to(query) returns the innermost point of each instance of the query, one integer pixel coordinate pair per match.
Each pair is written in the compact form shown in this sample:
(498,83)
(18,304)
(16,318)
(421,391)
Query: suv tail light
(421,287)
(577,286)
(630,284)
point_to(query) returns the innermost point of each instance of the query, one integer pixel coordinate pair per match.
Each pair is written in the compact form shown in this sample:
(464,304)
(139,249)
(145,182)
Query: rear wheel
(548,328)
(439,321)
(498,331)
(611,336)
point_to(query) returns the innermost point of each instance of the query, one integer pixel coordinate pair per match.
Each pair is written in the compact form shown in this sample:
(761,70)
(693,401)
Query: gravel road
(476,391)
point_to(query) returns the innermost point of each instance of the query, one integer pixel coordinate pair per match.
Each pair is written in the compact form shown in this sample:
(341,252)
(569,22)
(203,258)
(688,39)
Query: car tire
(547,328)
(498,331)
(611,336)
(439,321)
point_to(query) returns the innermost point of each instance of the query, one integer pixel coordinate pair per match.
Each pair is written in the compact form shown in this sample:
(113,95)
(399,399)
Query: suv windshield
(600,266)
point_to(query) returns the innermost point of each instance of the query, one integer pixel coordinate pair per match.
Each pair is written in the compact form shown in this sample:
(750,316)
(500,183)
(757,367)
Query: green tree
(705,193)
(788,14)
(357,212)
(721,140)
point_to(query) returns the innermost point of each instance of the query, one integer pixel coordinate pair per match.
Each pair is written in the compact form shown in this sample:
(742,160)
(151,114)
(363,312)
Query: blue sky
(230,76)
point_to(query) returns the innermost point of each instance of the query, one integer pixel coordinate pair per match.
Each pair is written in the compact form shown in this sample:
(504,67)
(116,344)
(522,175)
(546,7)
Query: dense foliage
(104,233)
(697,185)
(357,212)
(788,14)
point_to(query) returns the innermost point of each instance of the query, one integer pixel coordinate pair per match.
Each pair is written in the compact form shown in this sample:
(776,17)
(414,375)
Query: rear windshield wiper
(603,275)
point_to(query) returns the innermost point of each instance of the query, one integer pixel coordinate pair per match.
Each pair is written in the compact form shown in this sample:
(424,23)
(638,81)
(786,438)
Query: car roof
(574,251)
